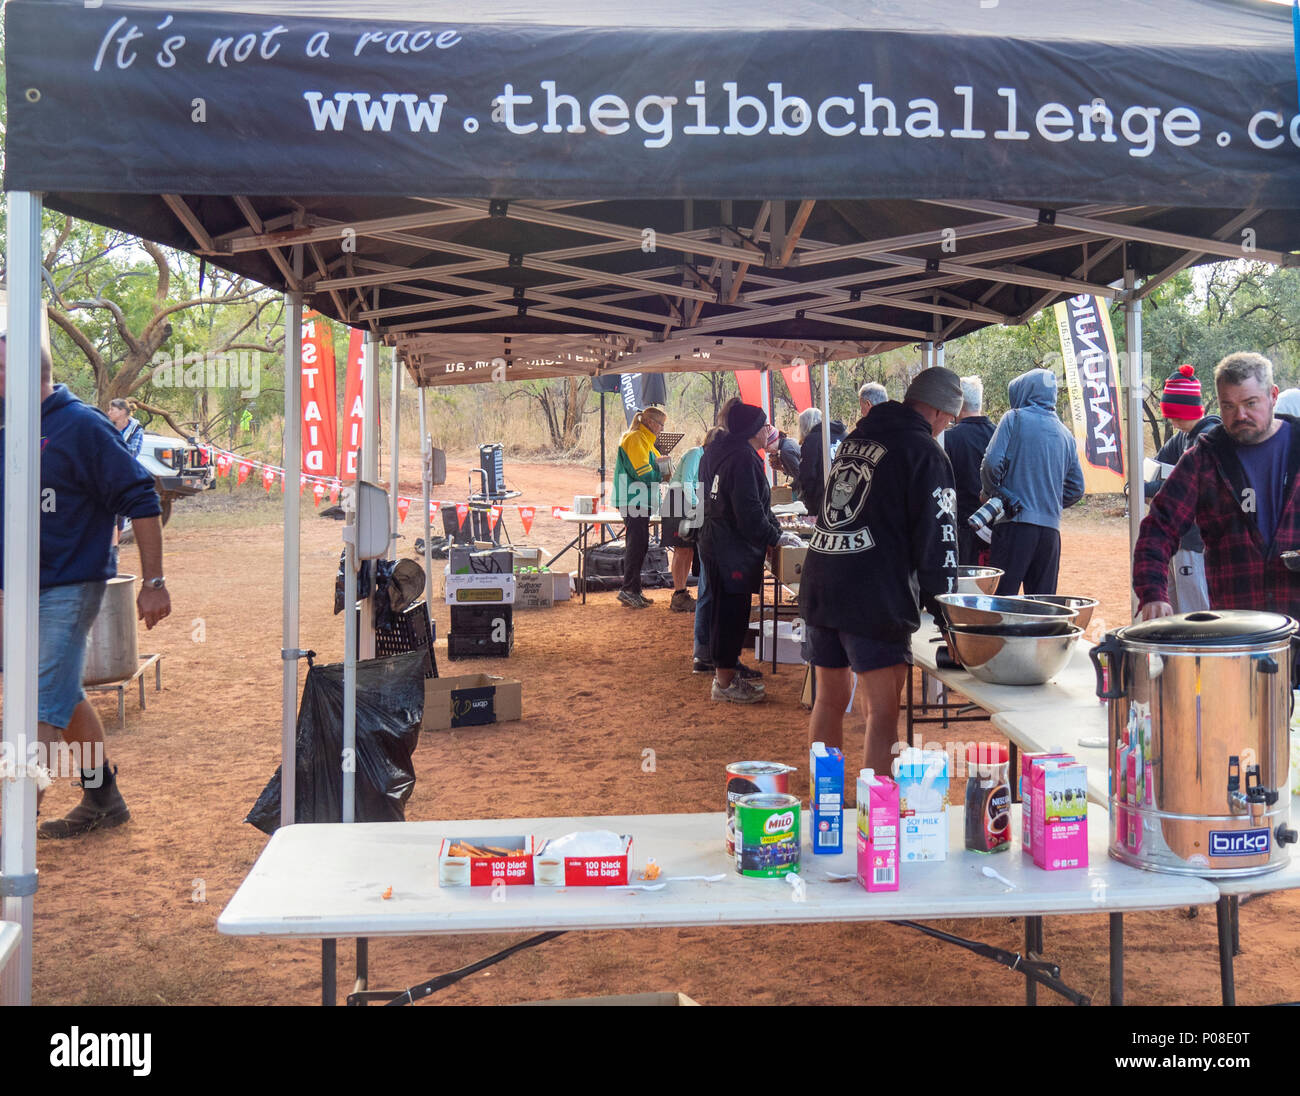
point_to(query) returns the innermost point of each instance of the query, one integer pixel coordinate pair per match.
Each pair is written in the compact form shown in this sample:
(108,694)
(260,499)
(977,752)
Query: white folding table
(585,523)
(329,881)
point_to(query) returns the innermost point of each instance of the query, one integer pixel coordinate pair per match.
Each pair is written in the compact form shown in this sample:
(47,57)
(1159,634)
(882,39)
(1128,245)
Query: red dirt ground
(128,916)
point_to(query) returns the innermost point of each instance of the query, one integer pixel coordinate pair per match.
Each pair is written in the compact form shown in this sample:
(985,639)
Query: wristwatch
(157,583)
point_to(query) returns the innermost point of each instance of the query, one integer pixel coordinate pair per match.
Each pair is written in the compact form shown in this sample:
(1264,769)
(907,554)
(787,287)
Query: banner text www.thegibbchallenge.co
(660,118)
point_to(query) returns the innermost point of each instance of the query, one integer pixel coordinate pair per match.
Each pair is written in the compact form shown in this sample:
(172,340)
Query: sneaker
(645,601)
(682,602)
(738,692)
(631,600)
(748,672)
(702,666)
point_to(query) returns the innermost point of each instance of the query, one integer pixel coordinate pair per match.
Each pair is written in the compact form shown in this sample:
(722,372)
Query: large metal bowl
(978,580)
(1012,660)
(1083,606)
(990,611)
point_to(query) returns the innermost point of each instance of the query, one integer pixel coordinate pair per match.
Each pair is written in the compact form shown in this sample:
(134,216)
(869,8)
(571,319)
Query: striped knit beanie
(1182,395)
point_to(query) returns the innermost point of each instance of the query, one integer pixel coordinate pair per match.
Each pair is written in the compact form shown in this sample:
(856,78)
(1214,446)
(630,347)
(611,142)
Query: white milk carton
(922,777)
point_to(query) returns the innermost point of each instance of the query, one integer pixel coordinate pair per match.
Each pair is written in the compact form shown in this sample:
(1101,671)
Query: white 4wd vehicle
(179,468)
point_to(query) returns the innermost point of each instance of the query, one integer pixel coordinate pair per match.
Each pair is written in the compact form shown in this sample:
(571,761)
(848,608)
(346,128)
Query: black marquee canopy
(771,177)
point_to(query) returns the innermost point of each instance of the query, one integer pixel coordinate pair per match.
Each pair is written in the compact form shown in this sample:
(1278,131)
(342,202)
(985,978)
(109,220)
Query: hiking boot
(739,691)
(646,602)
(682,602)
(100,808)
(631,600)
(701,666)
(748,672)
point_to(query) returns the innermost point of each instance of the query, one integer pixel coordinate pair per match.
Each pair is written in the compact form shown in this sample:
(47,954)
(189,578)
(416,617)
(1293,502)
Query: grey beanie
(938,387)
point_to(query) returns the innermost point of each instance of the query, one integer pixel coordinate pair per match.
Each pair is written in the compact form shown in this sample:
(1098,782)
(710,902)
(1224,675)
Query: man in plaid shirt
(1237,484)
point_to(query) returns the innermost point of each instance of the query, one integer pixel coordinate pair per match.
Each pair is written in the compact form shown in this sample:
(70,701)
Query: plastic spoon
(993,874)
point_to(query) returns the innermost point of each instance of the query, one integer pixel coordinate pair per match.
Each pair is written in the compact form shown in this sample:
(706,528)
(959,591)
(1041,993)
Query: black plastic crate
(459,646)
(480,620)
(413,631)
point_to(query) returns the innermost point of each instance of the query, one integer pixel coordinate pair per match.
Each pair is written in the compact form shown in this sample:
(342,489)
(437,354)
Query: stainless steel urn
(1199,742)
(112,651)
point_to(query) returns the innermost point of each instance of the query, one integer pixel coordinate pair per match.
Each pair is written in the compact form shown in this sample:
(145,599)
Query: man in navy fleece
(87,476)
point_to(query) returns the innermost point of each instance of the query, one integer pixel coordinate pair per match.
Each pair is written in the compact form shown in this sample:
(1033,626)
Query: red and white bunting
(526,514)
(462,512)
(268,478)
(403,508)
(318,492)
(245,467)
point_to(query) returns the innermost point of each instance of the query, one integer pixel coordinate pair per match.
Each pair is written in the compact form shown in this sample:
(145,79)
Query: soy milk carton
(922,777)
(1059,802)
(878,835)
(826,798)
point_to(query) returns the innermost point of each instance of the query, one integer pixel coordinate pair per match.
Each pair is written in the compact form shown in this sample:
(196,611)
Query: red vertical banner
(750,384)
(353,405)
(798,379)
(319,408)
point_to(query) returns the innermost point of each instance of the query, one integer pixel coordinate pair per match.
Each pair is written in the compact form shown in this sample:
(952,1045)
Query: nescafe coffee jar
(988,797)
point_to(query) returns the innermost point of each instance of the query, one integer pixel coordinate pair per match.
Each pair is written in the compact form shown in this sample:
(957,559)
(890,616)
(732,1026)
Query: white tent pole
(350,656)
(826,424)
(292,544)
(394,435)
(938,360)
(369,464)
(22,569)
(426,481)
(1136,381)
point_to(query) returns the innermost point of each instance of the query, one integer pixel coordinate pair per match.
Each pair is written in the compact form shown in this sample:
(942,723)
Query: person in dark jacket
(782,452)
(811,481)
(965,442)
(1181,406)
(885,543)
(87,476)
(738,530)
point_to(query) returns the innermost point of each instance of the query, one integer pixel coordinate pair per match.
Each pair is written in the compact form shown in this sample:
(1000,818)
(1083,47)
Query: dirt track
(127,916)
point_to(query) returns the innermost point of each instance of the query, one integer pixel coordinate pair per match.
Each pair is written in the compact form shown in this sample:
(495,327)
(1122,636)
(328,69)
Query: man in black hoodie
(965,444)
(886,542)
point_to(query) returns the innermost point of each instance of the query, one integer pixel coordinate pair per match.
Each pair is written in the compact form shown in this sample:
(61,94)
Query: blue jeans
(703,613)
(66,615)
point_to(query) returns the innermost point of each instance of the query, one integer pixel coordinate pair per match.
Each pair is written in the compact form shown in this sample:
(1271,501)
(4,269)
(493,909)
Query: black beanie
(745,420)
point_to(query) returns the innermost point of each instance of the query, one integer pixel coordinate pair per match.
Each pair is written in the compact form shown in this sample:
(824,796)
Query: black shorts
(670,534)
(833,649)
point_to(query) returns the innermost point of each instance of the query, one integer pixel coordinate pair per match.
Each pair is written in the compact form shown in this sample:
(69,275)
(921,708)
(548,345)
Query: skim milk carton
(826,798)
(1027,762)
(877,832)
(922,777)
(1059,802)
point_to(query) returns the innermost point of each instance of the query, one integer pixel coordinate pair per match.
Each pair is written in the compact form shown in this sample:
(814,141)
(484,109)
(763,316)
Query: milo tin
(767,835)
(750,778)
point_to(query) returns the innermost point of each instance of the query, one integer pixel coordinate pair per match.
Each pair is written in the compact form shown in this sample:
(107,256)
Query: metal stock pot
(1199,742)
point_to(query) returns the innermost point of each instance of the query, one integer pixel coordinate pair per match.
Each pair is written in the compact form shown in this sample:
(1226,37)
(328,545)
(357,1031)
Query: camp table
(585,523)
(328,881)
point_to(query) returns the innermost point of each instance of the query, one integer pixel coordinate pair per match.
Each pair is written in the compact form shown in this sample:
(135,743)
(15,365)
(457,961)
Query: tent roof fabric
(842,177)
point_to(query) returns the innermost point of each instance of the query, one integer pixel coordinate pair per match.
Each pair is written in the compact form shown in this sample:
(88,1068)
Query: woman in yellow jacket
(637,467)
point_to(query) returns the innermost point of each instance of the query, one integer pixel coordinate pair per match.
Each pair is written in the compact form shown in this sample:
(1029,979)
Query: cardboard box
(561,585)
(470,700)
(486,871)
(583,871)
(584,504)
(534,590)
(527,557)
(789,642)
(466,589)
(787,565)
(782,495)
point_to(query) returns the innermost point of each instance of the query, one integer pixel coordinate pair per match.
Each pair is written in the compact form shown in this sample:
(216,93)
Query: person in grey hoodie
(1033,459)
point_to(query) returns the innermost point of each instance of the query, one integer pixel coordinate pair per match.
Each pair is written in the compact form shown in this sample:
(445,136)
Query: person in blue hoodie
(88,476)
(1032,460)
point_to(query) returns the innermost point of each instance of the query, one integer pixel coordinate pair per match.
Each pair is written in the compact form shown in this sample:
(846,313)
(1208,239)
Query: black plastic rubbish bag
(390,707)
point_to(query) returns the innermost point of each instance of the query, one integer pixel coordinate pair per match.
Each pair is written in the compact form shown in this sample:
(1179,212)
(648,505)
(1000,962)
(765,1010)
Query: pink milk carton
(1059,804)
(1027,762)
(878,832)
